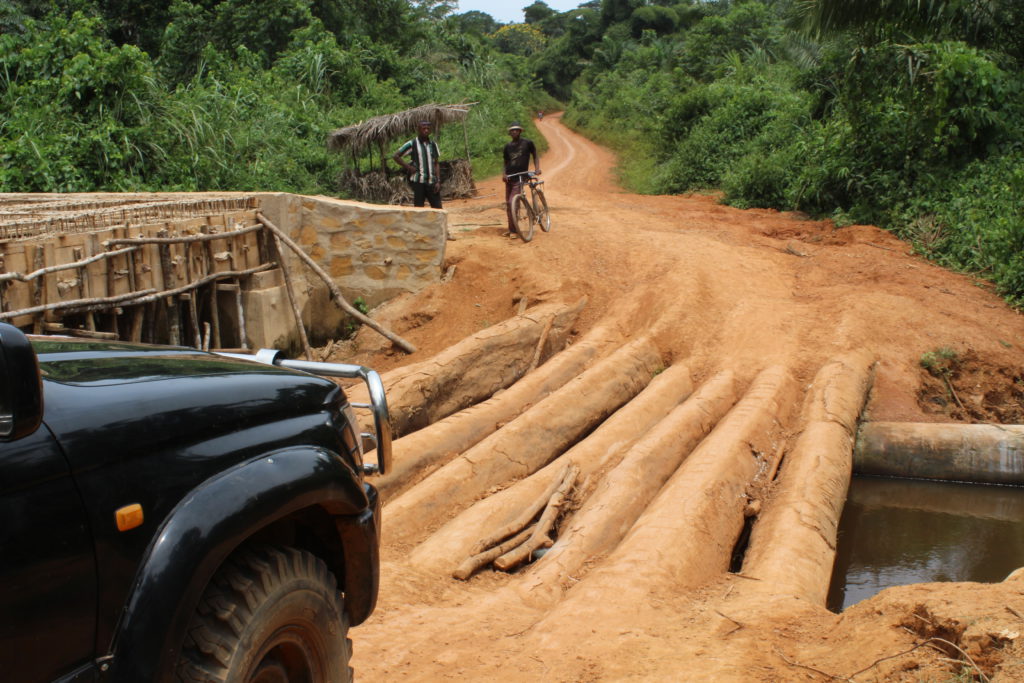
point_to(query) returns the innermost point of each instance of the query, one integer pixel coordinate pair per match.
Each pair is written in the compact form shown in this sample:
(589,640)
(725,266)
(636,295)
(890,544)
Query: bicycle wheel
(540,207)
(523,217)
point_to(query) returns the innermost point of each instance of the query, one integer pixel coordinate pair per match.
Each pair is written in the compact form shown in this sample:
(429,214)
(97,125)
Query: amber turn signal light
(129,517)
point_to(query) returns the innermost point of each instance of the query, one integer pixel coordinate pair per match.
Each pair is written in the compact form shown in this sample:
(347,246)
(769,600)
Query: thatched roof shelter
(381,130)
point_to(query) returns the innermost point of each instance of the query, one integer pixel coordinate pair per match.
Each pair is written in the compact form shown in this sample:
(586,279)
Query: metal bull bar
(378,401)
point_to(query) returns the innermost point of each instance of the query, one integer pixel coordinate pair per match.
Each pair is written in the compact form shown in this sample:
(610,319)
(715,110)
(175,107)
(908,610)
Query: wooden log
(625,492)
(982,453)
(336,294)
(793,544)
(471,370)
(600,450)
(423,451)
(527,443)
(685,537)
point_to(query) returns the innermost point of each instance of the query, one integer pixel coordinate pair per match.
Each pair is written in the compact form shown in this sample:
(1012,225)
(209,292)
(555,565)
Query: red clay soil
(719,289)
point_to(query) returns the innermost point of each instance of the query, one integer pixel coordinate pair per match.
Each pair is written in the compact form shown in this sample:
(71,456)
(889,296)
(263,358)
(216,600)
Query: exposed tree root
(473,369)
(527,443)
(686,536)
(600,450)
(793,544)
(423,451)
(625,492)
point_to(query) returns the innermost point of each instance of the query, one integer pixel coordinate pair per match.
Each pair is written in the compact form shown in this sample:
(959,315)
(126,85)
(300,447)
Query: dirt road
(763,332)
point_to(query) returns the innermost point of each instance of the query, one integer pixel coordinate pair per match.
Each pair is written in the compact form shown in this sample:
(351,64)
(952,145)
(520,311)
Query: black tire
(523,217)
(540,207)
(268,615)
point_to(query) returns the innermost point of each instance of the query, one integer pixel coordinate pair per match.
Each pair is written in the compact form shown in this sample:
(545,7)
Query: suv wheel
(269,614)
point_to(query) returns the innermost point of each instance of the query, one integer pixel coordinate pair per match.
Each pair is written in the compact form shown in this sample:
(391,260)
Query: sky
(507,11)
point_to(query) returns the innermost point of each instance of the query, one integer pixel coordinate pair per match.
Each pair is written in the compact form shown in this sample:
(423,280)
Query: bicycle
(529,211)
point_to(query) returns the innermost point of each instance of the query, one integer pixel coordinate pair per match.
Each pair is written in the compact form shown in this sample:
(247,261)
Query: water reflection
(900,531)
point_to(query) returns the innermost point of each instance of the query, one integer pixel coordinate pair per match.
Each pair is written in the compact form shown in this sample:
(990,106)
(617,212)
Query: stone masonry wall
(372,252)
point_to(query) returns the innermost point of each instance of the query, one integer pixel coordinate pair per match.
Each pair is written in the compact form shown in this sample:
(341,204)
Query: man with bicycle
(517,160)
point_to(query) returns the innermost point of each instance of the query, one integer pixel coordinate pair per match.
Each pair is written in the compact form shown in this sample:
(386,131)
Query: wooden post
(208,267)
(173,314)
(138,317)
(193,310)
(84,290)
(39,287)
(291,299)
(241,316)
(3,285)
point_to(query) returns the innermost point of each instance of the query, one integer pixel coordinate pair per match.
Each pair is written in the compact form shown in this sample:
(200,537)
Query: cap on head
(424,122)
(515,126)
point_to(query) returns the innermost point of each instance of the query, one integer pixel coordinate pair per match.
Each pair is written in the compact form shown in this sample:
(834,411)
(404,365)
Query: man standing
(517,160)
(425,170)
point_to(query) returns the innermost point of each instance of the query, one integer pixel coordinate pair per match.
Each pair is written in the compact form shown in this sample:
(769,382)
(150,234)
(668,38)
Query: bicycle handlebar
(528,174)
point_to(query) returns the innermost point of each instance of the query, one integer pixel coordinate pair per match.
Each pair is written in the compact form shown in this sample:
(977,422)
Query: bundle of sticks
(514,544)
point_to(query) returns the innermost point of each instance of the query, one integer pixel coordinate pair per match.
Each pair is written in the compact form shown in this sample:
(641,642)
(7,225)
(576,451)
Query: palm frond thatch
(383,129)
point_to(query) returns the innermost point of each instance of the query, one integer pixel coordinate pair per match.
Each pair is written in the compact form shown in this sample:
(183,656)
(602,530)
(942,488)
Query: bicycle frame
(530,180)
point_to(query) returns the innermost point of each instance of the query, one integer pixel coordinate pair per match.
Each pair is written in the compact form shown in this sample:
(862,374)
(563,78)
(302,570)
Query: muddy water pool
(900,531)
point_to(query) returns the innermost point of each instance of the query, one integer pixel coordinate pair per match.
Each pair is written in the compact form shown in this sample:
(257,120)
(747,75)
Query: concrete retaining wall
(983,453)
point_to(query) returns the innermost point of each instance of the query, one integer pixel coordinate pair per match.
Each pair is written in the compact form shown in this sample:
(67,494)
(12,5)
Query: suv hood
(83,363)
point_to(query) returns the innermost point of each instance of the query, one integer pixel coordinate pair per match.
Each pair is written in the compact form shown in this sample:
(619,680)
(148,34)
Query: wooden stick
(336,294)
(522,520)
(540,344)
(473,563)
(291,298)
(58,328)
(182,239)
(202,281)
(4,277)
(132,298)
(539,537)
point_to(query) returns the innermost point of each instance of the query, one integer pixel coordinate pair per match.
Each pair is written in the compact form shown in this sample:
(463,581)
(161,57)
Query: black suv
(177,515)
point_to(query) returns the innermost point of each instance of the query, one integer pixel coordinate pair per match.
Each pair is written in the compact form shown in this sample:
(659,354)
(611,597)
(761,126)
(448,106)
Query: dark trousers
(421,191)
(511,190)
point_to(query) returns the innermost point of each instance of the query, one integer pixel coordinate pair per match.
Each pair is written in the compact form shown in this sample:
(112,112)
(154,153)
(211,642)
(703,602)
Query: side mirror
(21,386)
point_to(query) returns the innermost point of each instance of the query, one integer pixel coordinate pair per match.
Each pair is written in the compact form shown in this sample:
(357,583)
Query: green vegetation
(232,95)
(940,362)
(905,114)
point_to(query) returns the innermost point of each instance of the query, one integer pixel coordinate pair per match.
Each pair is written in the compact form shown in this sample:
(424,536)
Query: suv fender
(208,525)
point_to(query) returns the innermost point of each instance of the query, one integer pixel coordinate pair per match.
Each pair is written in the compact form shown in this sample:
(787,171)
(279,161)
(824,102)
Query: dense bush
(232,95)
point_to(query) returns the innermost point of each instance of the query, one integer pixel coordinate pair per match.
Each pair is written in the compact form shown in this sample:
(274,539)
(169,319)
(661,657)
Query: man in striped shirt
(424,171)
